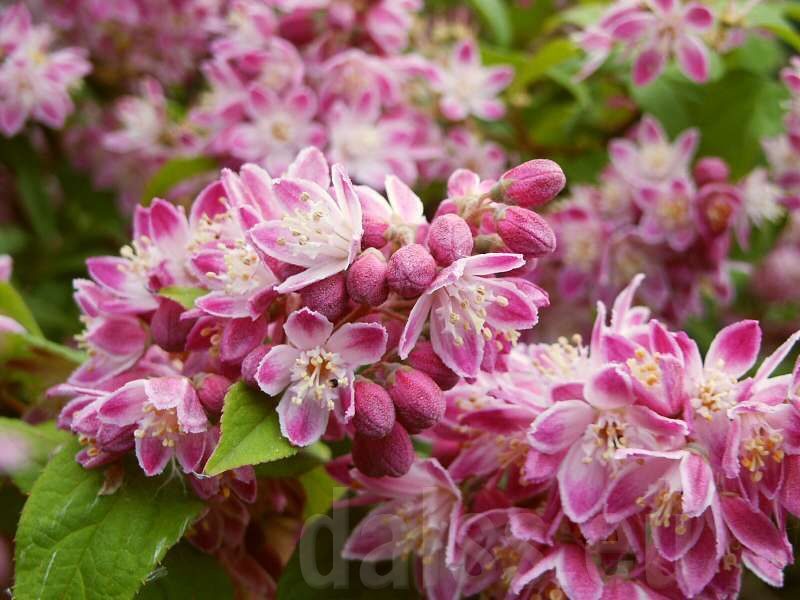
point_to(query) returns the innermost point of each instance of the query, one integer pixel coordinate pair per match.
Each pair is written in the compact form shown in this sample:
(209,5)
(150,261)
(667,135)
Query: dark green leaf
(551,54)
(321,491)
(302,462)
(250,433)
(190,574)
(39,443)
(73,543)
(12,305)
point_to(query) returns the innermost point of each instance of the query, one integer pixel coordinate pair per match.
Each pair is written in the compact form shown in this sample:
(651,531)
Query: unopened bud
(250,365)
(374,415)
(328,296)
(524,231)
(211,389)
(410,271)
(391,455)
(530,184)
(374,235)
(168,330)
(424,359)
(449,238)
(419,403)
(711,169)
(366,278)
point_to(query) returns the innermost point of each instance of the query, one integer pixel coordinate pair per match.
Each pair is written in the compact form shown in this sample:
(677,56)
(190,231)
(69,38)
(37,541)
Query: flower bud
(524,231)
(374,235)
(168,330)
(711,169)
(250,364)
(410,271)
(530,184)
(394,327)
(424,359)
(391,455)
(449,238)
(211,390)
(374,415)
(366,278)
(419,403)
(328,296)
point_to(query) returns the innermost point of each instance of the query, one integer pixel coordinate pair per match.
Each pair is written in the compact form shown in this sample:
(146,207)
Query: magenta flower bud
(411,270)
(418,402)
(424,359)
(211,389)
(449,238)
(250,364)
(366,278)
(530,184)
(166,327)
(374,235)
(524,231)
(391,455)
(328,296)
(374,409)
(711,169)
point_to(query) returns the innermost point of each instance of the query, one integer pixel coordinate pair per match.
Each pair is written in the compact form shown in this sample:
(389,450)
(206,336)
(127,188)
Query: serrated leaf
(174,172)
(188,573)
(302,462)
(72,543)
(38,442)
(185,296)
(249,433)
(495,14)
(12,305)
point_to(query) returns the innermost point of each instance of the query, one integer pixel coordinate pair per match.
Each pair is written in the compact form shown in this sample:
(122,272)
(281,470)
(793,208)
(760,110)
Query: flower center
(159,423)
(604,438)
(313,231)
(318,374)
(713,394)
(560,360)
(466,303)
(644,367)
(669,504)
(756,452)
(656,159)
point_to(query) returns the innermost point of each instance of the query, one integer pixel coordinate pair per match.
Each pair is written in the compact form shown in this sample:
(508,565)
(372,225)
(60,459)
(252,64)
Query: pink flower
(469,88)
(669,215)
(168,418)
(466,308)
(315,368)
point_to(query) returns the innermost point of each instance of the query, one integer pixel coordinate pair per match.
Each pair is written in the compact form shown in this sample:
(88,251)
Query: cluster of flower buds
(34,80)
(654,213)
(277,77)
(346,305)
(630,466)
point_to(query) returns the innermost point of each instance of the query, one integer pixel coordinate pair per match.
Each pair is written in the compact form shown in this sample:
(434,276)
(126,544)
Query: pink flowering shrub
(501,294)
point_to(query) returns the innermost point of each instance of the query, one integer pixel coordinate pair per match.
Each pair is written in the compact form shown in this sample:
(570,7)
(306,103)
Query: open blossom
(34,80)
(316,369)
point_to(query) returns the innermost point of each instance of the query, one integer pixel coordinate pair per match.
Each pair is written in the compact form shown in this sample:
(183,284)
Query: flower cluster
(654,213)
(629,465)
(34,79)
(346,305)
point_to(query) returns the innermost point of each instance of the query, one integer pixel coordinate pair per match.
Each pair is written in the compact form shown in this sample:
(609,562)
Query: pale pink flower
(315,368)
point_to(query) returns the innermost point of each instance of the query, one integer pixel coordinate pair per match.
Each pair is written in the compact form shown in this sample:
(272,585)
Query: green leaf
(302,462)
(73,543)
(321,491)
(250,433)
(39,442)
(174,172)
(188,573)
(772,17)
(12,305)
(495,15)
(552,54)
(185,296)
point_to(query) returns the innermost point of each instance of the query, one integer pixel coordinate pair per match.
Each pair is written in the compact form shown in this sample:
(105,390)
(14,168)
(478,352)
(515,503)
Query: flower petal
(735,348)
(359,343)
(274,371)
(152,454)
(306,329)
(560,426)
(302,423)
(583,485)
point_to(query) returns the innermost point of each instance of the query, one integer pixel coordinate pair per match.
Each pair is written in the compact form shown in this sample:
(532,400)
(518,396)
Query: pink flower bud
(374,409)
(211,389)
(449,238)
(424,359)
(366,278)
(394,327)
(530,184)
(374,235)
(166,327)
(328,297)
(411,270)
(524,231)
(711,169)
(418,401)
(250,364)
(378,457)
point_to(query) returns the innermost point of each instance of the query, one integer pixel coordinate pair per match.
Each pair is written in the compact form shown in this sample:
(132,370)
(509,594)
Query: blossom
(467,308)
(315,368)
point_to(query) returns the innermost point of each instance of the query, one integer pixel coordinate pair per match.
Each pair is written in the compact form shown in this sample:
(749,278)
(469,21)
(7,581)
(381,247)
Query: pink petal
(464,358)
(754,530)
(466,53)
(322,270)
(304,423)
(576,573)
(125,406)
(517,312)
(189,451)
(699,565)
(735,348)
(346,196)
(178,392)
(169,228)
(698,16)
(462,183)
(359,343)
(693,58)
(306,329)
(403,200)
(416,322)
(763,568)
(672,545)
(376,536)
(648,66)
(609,388)
(152,454)
(274,371)
(220,304)
(311,164)
(583,485)
(632,484)
(560,426)
(790,491)
(240,336)
(489,264)
(697,484)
